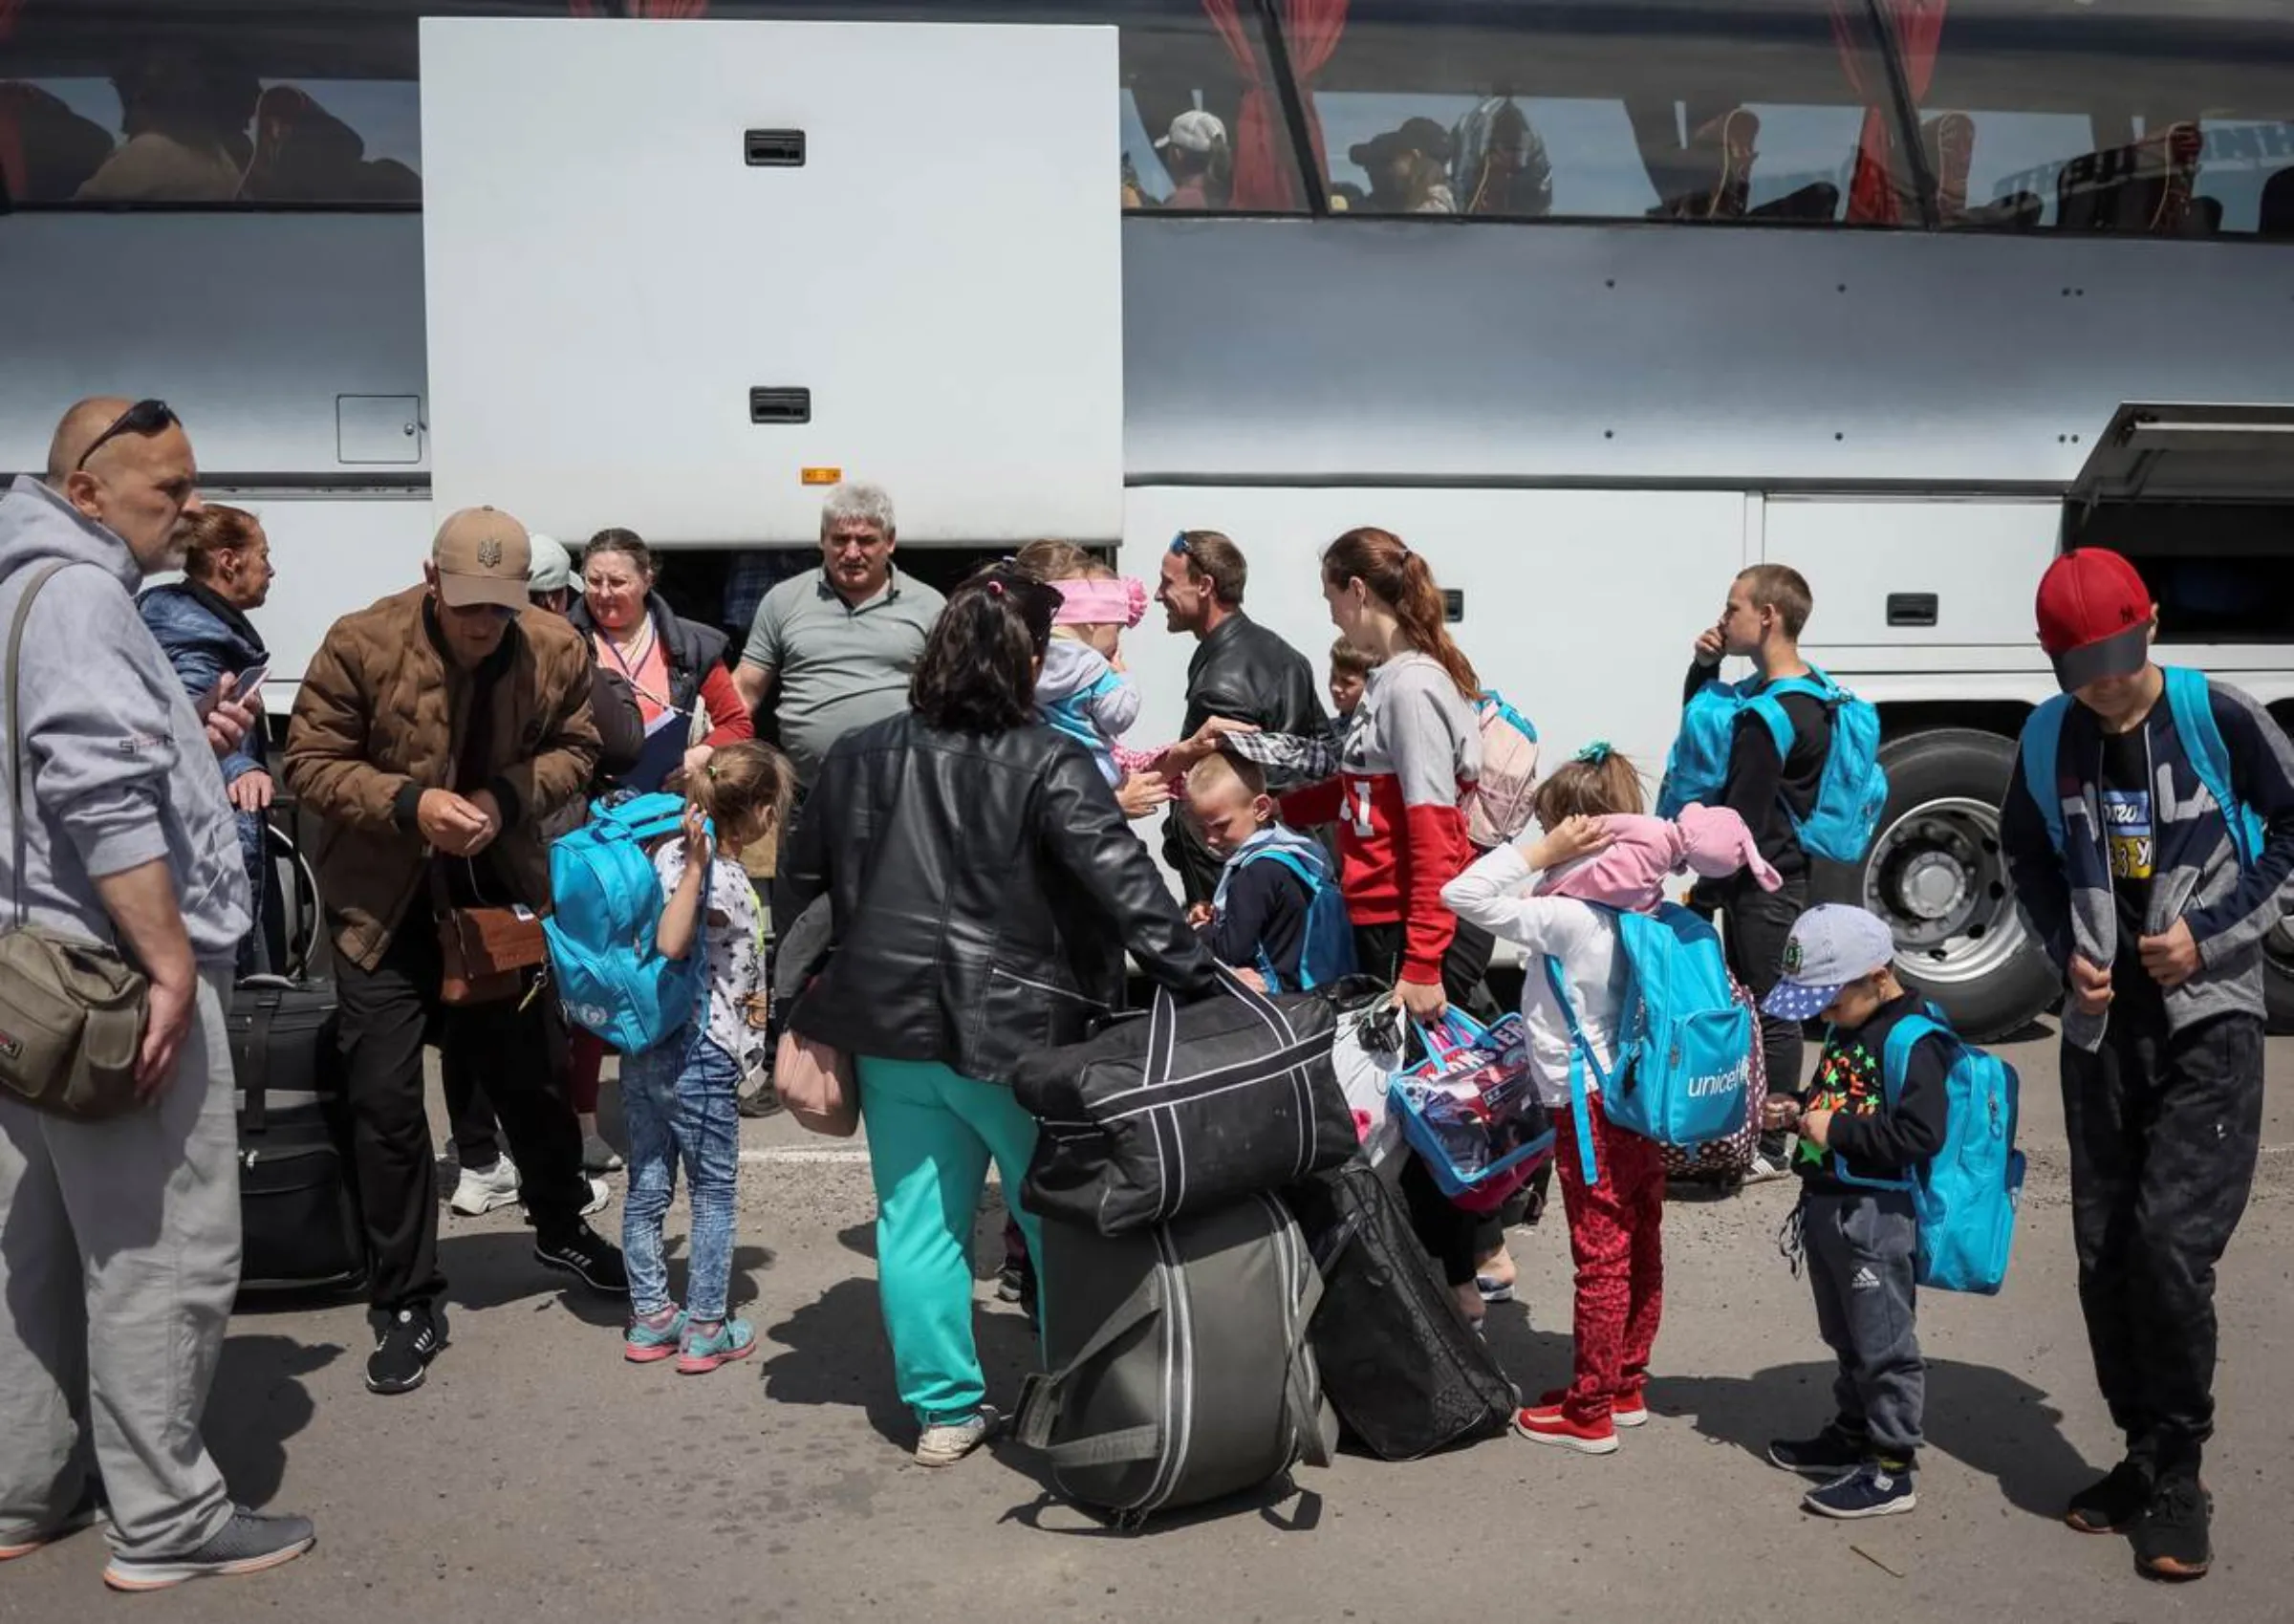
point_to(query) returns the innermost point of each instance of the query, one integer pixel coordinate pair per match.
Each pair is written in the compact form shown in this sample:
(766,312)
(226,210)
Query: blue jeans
(678,1102)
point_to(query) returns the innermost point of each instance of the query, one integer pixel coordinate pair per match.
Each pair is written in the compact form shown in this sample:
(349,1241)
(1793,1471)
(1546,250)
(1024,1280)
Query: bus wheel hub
(1934,886)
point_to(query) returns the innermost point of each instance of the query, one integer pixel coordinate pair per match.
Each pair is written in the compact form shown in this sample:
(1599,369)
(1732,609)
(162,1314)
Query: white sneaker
(477,1193)
(950,1442)
(600,1193)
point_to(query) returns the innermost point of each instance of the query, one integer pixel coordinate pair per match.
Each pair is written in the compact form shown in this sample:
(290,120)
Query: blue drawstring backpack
(2191,706)
(606,908)
(1966,1195)
(1683,1072)
(1328,951)
(1850,796)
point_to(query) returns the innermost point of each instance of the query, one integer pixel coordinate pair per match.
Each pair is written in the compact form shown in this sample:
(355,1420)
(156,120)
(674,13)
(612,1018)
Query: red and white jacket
(1413,750)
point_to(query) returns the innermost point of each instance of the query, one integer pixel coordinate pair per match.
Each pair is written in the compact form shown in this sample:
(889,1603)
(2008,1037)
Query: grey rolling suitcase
(1179,1367)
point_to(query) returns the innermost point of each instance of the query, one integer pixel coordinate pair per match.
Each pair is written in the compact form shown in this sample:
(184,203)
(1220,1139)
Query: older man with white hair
(838,642)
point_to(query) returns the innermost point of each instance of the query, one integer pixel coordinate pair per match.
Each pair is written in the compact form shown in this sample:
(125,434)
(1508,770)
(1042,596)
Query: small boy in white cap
(1861,1143)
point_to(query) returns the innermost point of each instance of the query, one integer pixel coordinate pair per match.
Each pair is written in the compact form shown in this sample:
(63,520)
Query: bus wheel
(1937,874)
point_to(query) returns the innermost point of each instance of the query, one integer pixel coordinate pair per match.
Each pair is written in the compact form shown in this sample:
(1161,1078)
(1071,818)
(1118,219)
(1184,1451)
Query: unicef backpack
(1851,790)
(1967,1194)
(606,906)
(1684,1042)
(1328,952)
(1498,809)
(2191,706)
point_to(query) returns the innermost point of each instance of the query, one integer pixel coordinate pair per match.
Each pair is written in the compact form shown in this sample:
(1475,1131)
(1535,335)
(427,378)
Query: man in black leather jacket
(1240,670)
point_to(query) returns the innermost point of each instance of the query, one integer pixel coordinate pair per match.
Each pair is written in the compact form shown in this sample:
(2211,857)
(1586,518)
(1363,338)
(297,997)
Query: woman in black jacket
(983,887)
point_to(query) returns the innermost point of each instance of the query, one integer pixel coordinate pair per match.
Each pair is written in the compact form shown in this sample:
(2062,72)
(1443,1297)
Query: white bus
(1593,303)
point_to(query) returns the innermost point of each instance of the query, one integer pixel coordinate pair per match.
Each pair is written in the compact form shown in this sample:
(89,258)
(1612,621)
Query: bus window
(2149,119)
(1638,109)
(205,104)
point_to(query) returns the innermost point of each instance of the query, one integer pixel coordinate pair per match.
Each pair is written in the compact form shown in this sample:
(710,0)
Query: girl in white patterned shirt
(678,1097)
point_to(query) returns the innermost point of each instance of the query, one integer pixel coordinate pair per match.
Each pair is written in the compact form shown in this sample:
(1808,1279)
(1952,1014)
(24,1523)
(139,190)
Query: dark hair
(1784,589)
(216,529)
(978,670)
(739,781)
(629,544)
(1592,785)
(1401,580)
(1218,560)
(1346,657)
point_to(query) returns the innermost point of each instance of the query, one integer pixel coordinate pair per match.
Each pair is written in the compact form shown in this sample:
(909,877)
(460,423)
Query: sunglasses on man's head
(143,419)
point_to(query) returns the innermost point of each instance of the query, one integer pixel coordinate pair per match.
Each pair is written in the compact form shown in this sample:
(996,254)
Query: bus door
(682,275)
(2200,498)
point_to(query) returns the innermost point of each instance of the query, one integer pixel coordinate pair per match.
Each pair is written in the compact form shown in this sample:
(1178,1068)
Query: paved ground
(538,1476)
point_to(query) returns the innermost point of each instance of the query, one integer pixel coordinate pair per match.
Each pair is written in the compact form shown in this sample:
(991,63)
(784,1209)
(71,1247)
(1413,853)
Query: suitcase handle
(1041,1395)
(255,1080)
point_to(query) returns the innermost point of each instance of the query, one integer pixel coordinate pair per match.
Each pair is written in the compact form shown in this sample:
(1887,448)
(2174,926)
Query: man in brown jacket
(437,731)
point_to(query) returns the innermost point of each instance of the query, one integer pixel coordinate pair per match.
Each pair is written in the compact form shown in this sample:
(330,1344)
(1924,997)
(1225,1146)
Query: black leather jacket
(983,889)
(1245,671)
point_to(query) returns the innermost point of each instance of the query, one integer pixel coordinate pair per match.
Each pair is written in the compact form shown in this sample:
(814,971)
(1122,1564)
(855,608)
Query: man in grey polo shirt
(838,642)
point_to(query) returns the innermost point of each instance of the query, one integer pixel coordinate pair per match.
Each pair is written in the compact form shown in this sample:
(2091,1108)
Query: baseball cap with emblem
(1830,945)
(2095,617)
(482,555)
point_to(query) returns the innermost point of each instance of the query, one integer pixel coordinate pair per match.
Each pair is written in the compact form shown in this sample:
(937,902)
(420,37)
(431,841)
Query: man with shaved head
(122,1251)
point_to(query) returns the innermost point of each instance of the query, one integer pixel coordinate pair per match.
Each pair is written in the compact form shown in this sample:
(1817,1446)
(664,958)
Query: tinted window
(2156,117)
(1627,109)
(208,103)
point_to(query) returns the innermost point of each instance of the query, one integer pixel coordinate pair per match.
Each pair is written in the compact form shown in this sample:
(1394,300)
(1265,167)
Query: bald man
(122,1235)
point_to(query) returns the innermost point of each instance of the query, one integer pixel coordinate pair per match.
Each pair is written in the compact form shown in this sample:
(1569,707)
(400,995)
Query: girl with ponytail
(1414,748)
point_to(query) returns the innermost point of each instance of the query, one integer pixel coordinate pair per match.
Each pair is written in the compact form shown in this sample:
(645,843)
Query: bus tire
(1937,874)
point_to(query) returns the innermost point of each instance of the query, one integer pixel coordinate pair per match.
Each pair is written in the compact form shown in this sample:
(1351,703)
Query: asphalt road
(538,1476)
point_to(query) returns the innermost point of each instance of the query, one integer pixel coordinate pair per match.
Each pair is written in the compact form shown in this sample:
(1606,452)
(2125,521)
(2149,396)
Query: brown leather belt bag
(485,953)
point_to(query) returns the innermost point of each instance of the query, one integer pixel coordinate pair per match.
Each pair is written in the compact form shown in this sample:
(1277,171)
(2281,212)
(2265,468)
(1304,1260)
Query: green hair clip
(1595,753)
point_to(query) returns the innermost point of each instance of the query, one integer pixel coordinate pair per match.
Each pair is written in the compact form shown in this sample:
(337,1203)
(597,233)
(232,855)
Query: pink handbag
(816,1083)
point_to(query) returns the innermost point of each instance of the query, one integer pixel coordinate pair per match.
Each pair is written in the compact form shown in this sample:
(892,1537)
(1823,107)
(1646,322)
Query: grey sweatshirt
(119,767)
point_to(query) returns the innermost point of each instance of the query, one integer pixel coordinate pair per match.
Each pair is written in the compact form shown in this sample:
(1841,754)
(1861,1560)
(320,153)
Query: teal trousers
(931,1134)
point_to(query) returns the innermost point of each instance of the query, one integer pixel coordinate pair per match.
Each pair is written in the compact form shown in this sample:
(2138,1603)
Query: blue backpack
(2189,703)
(606,906)
(1328,952)
(1852,792)
(1966,1195)
(1684,1045)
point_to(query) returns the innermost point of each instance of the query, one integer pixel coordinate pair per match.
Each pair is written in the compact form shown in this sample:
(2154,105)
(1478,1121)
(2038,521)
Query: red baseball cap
(2094,616)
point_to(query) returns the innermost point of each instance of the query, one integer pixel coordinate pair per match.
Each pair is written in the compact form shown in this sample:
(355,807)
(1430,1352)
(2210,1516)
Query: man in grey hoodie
(122,1236)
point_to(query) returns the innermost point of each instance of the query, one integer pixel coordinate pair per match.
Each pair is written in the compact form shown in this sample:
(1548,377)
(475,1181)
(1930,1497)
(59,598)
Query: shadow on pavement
(1991,1421)
(258,1402)
(831,1351)
(497,1269)
(1070,1520)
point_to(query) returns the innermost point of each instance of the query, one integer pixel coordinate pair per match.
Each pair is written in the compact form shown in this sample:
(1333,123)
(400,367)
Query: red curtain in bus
(644,8)
(1918,26)
(1264,178)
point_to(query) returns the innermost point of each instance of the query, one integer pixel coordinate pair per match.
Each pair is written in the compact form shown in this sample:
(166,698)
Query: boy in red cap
(2149,829)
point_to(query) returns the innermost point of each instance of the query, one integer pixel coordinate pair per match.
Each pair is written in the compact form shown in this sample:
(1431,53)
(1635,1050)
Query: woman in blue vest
(201,624)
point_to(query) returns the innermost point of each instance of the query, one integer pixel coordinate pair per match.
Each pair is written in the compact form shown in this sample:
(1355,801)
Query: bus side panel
(1580,606)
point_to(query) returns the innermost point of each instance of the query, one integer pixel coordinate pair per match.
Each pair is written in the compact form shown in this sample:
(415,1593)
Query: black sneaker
(763,1101)
(1834,1451)
(251,1542)
(404,1349)
(2170,1536)
(2113,1503)
(582,1251)
(1873,1489)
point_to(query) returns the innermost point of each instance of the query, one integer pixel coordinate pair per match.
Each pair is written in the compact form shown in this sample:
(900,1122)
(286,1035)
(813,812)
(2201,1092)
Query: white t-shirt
(1584,938)
(727,932)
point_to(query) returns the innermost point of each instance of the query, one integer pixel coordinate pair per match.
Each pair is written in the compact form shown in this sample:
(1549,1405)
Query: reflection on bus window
(2146,118)
(1639,109)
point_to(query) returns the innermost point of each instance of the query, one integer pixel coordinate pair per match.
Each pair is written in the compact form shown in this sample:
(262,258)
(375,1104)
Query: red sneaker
(1549,1423)
(1625,1410)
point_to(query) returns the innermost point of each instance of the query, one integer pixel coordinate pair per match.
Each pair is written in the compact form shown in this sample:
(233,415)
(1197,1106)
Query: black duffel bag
(1186,1111)
(1398,1362)
(298,1211)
